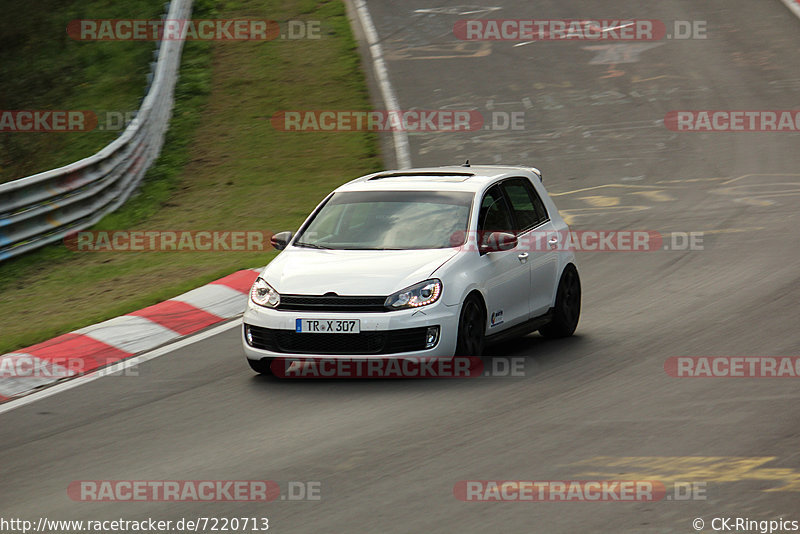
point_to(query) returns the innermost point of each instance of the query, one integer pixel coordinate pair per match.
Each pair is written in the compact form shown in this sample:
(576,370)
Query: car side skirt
(521,329)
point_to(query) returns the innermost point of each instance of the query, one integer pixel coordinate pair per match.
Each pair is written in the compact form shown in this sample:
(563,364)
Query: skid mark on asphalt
(760,190)
(461,50)
(354,460)
(592,188)
(458,10)
(693,468)
(758,186)
(600,201)
(614,54)
(655,196)
(638,79)
(570,215)
(693,180)
(748,176)
(730,230)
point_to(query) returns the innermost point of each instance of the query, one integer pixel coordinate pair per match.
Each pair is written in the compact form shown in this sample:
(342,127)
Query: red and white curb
(88,349)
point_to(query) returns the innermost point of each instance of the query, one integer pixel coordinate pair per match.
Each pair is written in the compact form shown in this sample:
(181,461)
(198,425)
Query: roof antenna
(466,164)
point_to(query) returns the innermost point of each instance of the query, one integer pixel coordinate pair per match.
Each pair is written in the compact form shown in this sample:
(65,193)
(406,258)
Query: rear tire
(471,328)
(261,366)
(567,310)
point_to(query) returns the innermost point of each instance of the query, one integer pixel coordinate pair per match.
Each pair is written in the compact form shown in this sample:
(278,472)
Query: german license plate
(328,326)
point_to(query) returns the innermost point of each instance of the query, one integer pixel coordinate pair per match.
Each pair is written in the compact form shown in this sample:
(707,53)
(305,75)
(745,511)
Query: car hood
(299,271)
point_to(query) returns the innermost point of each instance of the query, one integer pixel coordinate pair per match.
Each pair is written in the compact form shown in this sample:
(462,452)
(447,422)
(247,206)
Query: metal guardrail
(45,207)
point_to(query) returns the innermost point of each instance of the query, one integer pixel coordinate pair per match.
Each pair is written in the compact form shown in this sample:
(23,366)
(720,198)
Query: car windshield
(389,220)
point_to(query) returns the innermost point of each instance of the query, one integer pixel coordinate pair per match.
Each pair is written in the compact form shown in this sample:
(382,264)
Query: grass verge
(41,68)
(224,167)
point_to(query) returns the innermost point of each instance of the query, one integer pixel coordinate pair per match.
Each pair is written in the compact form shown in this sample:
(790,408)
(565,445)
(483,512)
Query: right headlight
(264,294)
(415,296)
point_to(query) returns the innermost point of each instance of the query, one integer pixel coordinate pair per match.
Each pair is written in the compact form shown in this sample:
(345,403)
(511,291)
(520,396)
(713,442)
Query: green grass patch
(223,167)
(42,68)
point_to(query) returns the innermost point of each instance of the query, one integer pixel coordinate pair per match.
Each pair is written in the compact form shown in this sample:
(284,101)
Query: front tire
(567,310)
(261,366)
(471,328)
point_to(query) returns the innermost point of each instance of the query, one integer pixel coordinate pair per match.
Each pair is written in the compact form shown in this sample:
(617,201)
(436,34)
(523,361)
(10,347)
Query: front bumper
(391,329)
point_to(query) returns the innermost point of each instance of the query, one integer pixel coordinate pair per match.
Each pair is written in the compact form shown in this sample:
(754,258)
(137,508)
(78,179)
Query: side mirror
(280,240)
(497,241)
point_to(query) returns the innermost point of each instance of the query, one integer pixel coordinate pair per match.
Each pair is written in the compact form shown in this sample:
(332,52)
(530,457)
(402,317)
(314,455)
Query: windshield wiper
(312,245)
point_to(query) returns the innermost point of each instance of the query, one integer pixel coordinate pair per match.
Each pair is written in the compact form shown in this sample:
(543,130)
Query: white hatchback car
(432,262)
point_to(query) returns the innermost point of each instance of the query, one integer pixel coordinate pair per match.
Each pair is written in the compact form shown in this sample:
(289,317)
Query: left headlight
(415,296)
(264,294)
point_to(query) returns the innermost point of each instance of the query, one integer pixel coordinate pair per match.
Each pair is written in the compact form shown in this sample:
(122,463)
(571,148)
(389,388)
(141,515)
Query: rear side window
(529,210)
(541,211)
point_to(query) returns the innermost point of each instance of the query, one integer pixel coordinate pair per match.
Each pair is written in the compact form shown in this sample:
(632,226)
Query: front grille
(331,303)
(380,342)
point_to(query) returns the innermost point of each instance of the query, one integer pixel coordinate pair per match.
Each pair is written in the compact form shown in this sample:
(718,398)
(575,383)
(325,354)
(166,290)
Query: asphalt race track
(600,405)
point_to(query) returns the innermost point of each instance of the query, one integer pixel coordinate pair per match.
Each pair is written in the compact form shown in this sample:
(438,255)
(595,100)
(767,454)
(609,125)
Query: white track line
(400,137)
(121,365)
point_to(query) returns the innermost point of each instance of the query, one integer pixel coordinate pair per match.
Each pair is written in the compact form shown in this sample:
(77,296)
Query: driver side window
(494,215)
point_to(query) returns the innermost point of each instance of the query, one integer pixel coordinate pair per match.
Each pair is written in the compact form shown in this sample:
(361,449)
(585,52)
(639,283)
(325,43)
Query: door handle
(523,257)
(553,242)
